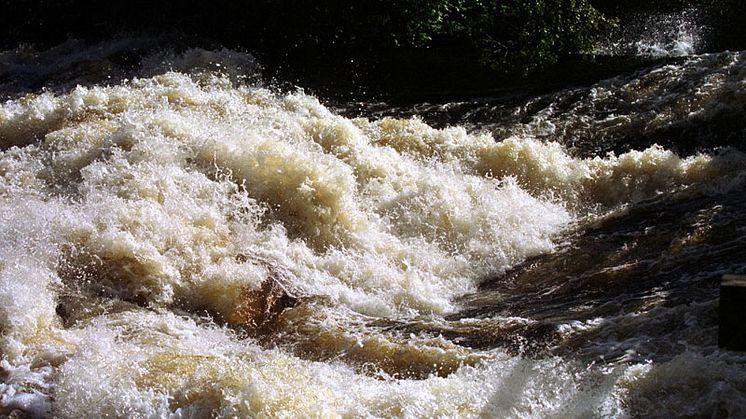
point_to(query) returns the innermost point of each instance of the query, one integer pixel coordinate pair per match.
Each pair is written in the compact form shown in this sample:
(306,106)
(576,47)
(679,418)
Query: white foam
(181,192)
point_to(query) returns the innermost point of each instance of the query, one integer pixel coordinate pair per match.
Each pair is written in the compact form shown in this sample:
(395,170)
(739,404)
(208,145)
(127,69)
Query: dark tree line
(508,35)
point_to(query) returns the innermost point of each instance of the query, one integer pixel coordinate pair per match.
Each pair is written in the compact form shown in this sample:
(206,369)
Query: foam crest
(546,168)
(162,193)
(155,364)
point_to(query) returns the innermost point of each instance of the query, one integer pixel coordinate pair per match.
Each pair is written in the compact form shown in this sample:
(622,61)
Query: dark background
(341,49)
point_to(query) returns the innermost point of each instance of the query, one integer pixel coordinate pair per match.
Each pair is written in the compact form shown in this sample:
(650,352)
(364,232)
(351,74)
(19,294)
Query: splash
(663,35)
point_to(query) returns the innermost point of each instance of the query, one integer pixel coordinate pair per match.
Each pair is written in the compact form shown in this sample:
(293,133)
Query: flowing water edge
(179,239)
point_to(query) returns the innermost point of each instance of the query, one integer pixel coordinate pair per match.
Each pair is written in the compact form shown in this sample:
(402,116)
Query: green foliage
(522,35)
(363,24)
(512,35)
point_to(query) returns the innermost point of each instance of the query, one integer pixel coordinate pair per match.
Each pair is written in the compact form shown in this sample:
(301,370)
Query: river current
(179,239)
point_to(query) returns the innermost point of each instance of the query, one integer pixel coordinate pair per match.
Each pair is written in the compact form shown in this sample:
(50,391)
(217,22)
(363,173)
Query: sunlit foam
(138,218)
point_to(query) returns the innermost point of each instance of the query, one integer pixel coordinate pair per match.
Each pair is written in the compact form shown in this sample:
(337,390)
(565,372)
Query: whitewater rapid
(143,219)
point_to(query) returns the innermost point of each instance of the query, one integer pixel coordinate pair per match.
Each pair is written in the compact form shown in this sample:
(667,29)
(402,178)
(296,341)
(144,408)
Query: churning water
(674,34)
(178,241)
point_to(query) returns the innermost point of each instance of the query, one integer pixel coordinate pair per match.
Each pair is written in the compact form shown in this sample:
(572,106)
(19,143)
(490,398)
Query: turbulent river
(178,239)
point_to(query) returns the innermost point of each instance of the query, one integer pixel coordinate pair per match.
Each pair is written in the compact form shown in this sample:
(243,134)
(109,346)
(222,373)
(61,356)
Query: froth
(134,213)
